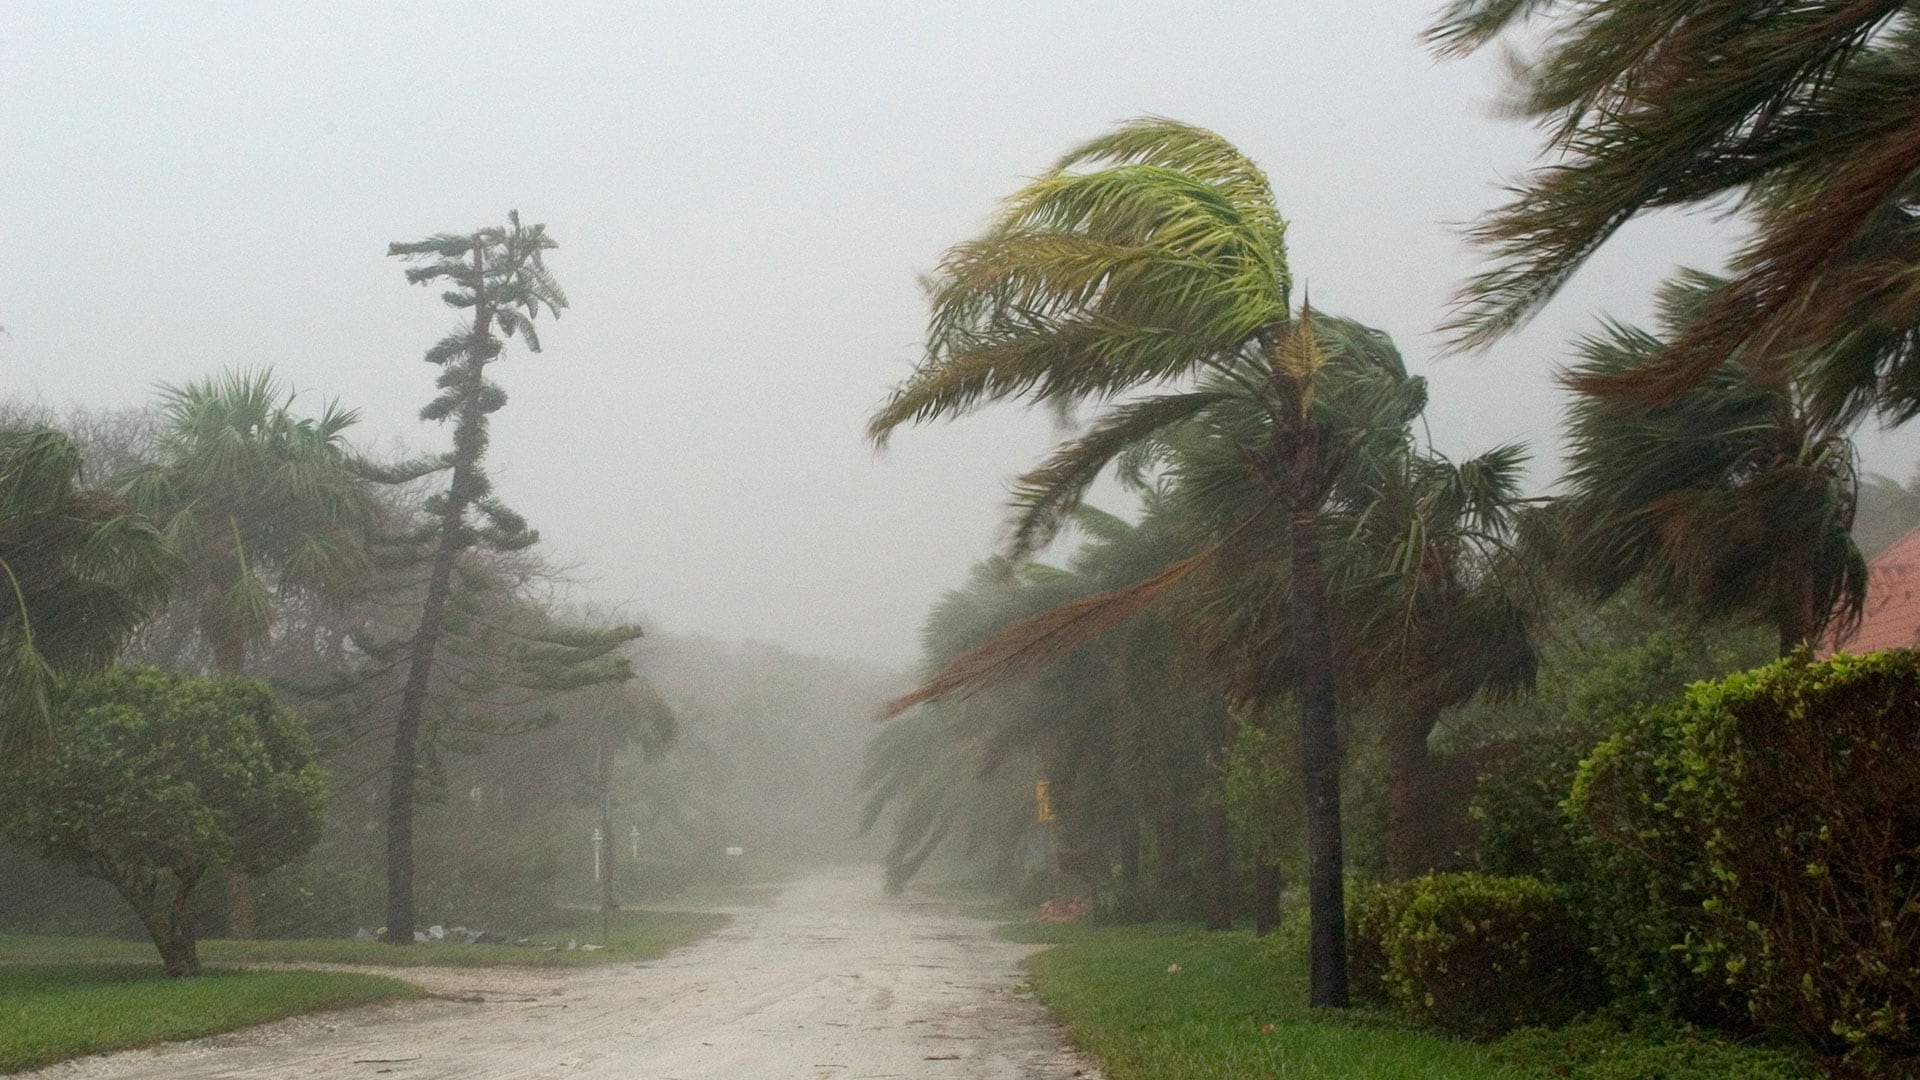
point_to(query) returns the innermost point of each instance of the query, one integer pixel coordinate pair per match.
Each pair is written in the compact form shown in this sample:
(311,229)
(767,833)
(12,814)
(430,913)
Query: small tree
(157,776)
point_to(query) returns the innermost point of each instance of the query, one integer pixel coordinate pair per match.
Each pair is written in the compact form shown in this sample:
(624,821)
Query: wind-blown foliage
(1800,112)
(1154,255)
(1735,497)
(80,573)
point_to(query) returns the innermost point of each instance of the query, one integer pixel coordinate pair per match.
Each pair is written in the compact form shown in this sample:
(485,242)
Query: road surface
(833,981)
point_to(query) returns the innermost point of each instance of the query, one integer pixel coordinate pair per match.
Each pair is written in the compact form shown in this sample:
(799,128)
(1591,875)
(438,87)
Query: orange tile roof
(1891,617)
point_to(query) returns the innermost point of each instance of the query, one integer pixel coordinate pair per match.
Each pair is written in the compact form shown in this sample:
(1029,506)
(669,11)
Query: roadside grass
(634,935)
(1164,1002)
(52,1012)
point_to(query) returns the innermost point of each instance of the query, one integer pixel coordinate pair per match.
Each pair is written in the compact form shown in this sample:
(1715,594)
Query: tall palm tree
(78,573)
(1147,257)
(260,502)
(1802,112)
(1735,497)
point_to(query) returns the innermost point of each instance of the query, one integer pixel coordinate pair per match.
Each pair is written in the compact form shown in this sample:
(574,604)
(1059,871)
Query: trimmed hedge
(1760,842)
(1470,954)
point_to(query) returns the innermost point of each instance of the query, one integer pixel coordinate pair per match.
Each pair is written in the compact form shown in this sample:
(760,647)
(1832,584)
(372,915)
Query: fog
(743,194)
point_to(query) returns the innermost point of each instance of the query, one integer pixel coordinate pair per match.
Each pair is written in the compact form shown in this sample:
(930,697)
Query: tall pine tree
(499,274)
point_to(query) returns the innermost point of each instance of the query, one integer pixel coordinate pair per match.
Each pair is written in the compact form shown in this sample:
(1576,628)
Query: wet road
(833,981)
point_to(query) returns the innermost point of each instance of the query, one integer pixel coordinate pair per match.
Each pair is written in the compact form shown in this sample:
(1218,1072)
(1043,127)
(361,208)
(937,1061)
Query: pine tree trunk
(1410,823)
(1319,765)
(469,443)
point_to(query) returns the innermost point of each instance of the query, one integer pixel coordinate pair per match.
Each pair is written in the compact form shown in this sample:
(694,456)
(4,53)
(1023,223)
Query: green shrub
(1523,831)
(1597,1048)
(1474,955)
(1371,912)
(315,900)
(1769,828)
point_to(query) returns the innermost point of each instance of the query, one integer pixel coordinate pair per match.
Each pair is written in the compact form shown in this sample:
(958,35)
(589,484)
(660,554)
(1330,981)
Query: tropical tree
(81,572)
(1734,497)
(157,777)
(1439,598)
(500,275)
(258,500)
(1800,112)
(1147,257)
(261,503)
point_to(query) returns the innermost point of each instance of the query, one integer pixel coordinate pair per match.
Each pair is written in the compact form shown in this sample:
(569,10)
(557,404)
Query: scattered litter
(1173,969)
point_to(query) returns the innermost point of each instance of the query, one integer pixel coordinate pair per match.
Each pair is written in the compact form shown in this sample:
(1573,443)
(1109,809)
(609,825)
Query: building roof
(1890,619)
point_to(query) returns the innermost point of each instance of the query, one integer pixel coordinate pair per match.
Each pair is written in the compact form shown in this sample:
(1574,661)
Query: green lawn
(50,1012)
(635,935)
(1174,1003)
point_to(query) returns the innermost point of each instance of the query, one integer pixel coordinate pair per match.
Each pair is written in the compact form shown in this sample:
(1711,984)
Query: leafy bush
(312,899)
(1768,827)
(1597,1048)
(1472,954)
(158,776)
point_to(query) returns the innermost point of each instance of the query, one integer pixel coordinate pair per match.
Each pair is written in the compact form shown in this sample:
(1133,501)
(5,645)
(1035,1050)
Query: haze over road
(833,980)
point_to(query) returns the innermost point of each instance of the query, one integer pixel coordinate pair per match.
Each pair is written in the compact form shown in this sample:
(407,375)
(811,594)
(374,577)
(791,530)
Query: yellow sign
(1042,801)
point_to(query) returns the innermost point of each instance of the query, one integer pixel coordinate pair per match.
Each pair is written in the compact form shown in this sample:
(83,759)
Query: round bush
(1472,954)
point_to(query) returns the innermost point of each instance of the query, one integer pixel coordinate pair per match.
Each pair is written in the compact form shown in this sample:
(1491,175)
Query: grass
(635,935)
(51,1012)
(1169,1002)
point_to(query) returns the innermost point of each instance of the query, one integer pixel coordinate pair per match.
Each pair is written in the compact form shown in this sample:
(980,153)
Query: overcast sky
(743,194)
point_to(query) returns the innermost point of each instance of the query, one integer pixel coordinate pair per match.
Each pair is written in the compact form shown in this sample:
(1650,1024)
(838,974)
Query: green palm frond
(1044,498)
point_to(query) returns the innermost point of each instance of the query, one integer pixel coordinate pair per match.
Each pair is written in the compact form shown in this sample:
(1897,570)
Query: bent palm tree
(1163,260)
(1733,498)
(78,573)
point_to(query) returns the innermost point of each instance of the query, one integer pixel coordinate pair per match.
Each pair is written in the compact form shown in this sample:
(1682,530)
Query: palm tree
(260,502)
(1147,257)
(78,573)
(1436,592)
(1733,498)
(1800,111)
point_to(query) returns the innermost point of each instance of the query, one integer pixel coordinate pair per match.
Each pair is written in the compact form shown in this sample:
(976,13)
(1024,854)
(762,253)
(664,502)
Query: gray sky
(743,193)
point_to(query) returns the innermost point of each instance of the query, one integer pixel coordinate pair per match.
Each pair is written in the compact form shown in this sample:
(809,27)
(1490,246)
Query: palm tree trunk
(229,658)
(1266,897)
(403,769)
(1319,764)
(1219,847)
(1218,830)
(1410,824)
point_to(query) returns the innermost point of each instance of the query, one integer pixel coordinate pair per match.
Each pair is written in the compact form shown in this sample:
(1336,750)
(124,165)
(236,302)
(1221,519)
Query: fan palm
(1434,588)
(81,572)
(1147,257)
(1801,111)
(1733,498)
(259,502)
